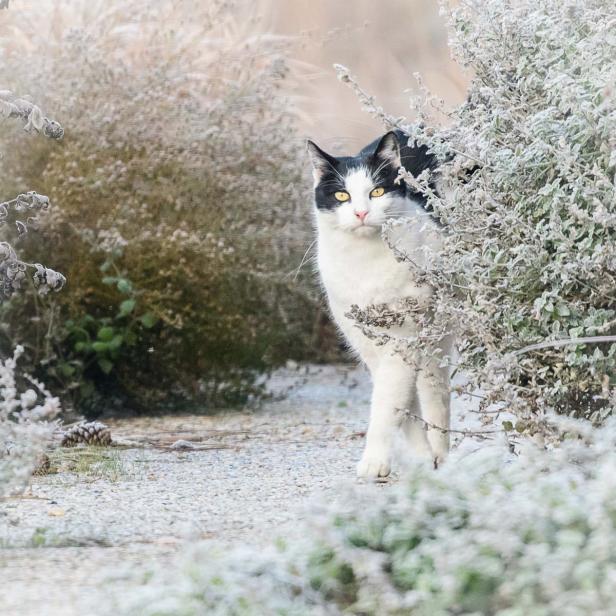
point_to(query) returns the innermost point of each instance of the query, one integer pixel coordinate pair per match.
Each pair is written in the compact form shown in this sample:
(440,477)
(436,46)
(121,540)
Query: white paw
(440,457)
(439,445)
(421,451)
(373,466)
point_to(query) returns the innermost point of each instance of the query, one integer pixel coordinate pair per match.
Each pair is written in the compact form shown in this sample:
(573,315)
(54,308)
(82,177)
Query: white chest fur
(360,271)
(363,270)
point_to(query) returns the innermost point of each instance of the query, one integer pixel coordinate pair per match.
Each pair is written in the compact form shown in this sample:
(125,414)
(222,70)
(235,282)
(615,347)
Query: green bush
(183,209)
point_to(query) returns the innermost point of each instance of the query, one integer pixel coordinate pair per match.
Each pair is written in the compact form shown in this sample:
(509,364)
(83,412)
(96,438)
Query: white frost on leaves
(488,533)
(26,425)
(530,246)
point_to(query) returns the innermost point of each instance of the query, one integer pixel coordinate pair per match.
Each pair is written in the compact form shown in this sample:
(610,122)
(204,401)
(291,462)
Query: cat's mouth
(370,224)
(366,229)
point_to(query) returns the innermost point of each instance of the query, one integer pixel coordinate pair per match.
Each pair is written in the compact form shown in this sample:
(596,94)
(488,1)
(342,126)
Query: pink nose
(361,215)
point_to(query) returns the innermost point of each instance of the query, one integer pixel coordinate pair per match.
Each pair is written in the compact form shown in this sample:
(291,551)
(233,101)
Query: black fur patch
(414,159)
(333,170)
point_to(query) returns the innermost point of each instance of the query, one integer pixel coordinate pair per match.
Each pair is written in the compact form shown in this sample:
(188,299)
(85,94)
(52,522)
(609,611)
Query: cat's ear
(388,150)
(321,161)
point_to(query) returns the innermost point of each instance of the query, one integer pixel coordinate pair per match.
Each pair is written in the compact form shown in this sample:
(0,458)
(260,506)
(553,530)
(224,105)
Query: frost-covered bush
(530,250)
(242,582)
(26,411)
(23,210)
(183,213)
(26,406)
(488,533)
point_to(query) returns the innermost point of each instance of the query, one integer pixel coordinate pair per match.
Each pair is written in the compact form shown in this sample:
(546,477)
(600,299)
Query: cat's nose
(361,215)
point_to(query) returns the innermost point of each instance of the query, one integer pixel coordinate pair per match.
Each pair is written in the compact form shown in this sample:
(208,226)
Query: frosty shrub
(26,407)
(489,533)
(530,250)
(23,210)
(183,203)
(242,582)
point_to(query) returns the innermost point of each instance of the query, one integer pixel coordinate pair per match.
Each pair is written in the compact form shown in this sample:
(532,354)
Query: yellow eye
(377,192)
(342,196)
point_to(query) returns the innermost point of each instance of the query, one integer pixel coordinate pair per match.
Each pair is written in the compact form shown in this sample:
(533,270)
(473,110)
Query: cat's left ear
(322,162)
(388,150)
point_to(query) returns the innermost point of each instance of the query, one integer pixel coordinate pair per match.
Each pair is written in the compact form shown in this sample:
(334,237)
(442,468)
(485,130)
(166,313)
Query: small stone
(181,444)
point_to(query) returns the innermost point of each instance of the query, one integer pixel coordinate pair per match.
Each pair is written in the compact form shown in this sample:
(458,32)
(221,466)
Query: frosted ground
(77,538)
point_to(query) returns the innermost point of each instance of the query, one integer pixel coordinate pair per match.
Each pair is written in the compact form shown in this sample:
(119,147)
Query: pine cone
(88,432)
(43,465)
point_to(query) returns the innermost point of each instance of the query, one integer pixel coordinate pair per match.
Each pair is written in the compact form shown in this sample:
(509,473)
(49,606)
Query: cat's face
(358,193)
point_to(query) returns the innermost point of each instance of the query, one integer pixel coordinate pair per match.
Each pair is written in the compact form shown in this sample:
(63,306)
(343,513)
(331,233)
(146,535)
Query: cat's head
(358,193)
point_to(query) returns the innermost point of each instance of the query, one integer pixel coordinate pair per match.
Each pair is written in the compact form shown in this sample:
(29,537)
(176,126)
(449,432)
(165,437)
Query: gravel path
(251,477)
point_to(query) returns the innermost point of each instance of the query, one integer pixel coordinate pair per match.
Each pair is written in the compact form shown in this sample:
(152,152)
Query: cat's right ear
(322,162)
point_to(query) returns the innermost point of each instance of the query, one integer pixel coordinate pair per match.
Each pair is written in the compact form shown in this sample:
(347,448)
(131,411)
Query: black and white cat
(354,196)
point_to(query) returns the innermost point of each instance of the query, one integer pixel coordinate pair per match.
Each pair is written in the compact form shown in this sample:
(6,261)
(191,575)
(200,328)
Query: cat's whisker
(411,214)
(336,171)
(380,168)
(334,182)
(305,258)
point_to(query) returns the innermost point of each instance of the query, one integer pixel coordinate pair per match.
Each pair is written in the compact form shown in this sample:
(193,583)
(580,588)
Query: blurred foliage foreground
(489,534)
(180,207)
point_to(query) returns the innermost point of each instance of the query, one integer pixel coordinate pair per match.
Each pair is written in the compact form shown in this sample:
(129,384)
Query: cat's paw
(439,446)
(373,466)
(440,457)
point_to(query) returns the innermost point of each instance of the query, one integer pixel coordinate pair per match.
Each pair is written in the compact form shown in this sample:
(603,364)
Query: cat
(354,196)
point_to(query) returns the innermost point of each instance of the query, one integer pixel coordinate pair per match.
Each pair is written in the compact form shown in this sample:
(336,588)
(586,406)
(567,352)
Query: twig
(408,414)
(564,342)
(13,107)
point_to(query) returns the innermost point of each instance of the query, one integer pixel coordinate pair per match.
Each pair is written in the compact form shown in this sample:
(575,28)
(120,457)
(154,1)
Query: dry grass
(90,463)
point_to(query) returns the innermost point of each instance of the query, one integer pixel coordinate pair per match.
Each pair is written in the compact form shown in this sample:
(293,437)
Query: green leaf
(106,333)
(105,365)
(127,306)
(67,369)
(563,310)
(86,389)
(124,286)
(520,426)
(116,342)
(109,280)
(100,347)
(80,347)
(148,320)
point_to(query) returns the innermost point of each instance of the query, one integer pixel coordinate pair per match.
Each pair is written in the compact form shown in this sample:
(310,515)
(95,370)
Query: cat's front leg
(393,386)
(434,398)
